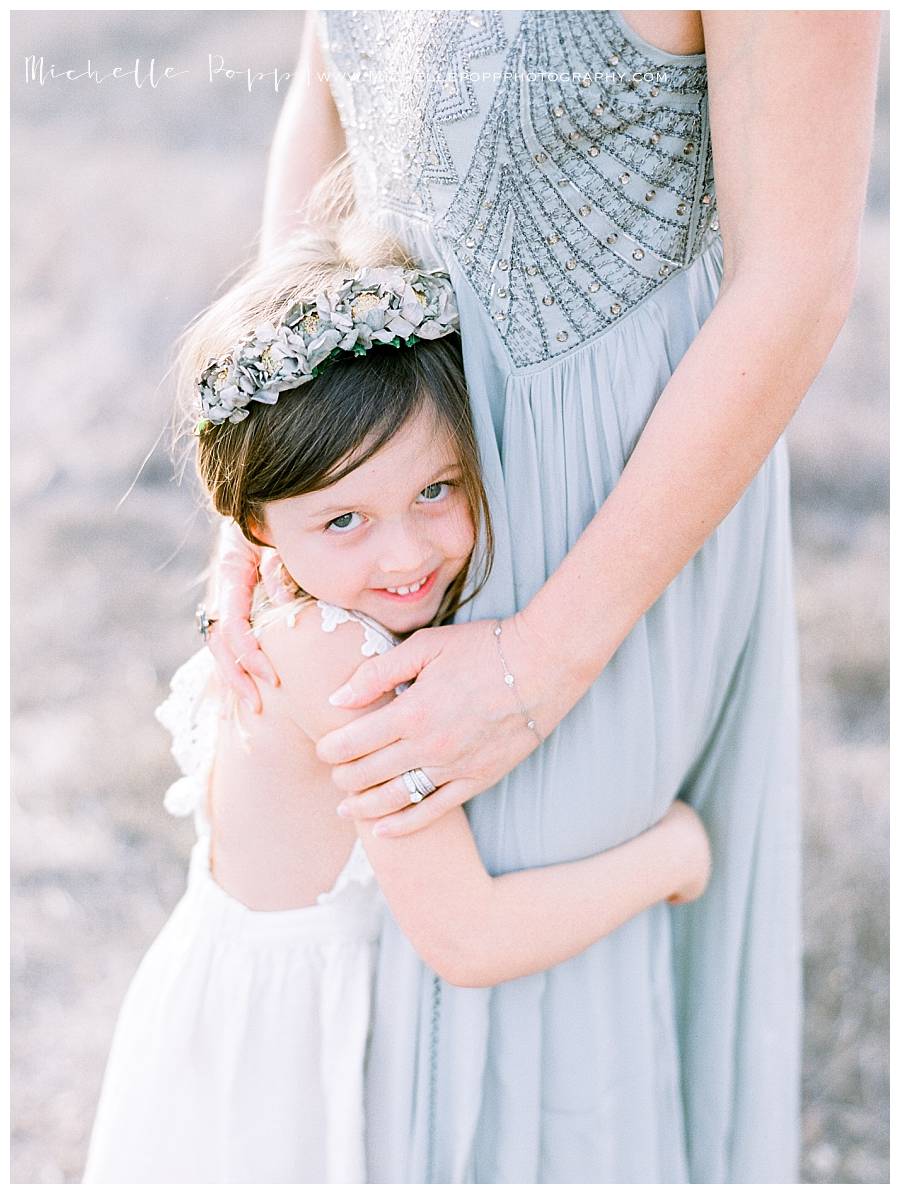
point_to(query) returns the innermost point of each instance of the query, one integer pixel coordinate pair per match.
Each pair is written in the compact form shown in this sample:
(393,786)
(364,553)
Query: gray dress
(560,168)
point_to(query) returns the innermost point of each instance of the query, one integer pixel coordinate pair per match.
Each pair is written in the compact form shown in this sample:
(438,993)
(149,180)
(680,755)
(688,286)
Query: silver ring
(203,622)
(417,784)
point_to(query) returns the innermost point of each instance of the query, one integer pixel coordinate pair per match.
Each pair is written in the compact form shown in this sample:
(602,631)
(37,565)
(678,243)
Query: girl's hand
(237,567)
(459,722)
(690,839)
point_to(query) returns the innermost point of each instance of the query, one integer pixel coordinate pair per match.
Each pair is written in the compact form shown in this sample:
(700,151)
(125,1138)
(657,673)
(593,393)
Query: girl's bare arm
(471,928)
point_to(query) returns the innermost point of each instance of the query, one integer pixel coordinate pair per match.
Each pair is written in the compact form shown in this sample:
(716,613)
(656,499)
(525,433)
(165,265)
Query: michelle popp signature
(149,74)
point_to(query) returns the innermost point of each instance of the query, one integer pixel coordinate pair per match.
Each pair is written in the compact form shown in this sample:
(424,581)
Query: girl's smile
(416,590)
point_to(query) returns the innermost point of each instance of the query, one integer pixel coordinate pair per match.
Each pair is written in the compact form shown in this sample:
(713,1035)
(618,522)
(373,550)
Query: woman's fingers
(274,578)
(376,802)
(235,572)
(383,673)
(379,767)
(373,732)
(431,809)
(226,648)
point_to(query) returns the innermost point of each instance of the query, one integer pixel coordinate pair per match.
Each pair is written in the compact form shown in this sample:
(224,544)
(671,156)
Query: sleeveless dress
(560,168)
(238,1053)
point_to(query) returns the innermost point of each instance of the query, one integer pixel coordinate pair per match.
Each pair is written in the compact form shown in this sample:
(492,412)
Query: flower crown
(389,305)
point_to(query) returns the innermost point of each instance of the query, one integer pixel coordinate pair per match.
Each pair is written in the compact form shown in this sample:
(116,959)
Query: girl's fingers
(433,807)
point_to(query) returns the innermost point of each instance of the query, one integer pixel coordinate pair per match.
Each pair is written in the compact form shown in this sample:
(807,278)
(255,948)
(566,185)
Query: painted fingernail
(342,696)
(343,810)
(382,831)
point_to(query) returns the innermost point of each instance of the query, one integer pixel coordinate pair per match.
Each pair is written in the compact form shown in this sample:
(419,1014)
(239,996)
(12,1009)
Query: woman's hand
(460,722)
(237,567)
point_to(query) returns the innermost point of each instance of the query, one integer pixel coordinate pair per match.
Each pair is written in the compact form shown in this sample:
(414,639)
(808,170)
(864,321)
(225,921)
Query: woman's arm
(472,929)
(790,196)
(308,138)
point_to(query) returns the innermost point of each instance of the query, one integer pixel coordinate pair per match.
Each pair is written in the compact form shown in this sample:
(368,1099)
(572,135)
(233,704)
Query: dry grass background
(129,207)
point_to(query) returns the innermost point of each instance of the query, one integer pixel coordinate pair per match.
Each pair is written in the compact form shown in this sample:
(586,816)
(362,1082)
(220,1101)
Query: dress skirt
(238,1052)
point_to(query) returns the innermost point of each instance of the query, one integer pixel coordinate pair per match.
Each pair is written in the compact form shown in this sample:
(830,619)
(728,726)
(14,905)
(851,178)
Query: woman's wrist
(545,683)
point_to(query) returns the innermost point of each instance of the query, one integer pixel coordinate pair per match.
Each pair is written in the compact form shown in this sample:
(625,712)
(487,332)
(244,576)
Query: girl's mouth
(408,594)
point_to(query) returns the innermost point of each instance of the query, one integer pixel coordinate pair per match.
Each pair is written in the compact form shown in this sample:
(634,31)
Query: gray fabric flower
(376,306)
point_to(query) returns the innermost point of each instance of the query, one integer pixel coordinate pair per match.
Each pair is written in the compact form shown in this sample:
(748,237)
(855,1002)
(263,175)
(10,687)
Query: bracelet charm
(510,680)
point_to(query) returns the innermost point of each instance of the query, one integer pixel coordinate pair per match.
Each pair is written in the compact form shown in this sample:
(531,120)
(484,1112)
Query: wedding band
(203,622)
(417,784)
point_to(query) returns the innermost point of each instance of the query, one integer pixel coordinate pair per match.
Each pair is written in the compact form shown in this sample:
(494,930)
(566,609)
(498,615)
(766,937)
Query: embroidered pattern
(398,77)
(589,184)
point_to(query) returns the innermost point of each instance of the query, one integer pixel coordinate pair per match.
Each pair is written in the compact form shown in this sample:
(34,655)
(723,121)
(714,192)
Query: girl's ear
(258,531)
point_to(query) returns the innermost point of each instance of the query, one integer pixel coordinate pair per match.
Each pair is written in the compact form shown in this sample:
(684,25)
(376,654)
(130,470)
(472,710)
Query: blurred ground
(129,207)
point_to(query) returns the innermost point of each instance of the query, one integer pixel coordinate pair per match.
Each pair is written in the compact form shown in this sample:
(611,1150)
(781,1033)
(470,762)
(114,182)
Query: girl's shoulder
(315,648)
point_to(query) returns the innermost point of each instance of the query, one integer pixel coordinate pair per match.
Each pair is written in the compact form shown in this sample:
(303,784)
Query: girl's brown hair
(319,432)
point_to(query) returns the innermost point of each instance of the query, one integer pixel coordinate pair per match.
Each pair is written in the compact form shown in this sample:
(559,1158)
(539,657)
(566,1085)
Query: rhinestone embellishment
(601,218)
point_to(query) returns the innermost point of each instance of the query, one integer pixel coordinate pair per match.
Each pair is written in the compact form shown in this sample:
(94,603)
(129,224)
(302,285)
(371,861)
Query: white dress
(239,1049)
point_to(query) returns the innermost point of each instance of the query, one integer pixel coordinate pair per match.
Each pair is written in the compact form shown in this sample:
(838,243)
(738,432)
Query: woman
(632,367)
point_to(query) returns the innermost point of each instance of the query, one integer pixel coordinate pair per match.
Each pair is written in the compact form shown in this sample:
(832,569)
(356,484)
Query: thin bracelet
(510,681)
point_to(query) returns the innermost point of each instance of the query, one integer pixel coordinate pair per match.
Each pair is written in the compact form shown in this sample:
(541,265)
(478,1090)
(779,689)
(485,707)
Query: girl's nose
(404,550)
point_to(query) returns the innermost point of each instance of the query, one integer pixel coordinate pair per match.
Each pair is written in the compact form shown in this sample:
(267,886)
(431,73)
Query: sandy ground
(130,204)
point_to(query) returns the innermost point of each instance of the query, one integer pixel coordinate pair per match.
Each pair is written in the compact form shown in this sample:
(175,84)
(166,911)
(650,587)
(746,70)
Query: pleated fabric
(669,1051)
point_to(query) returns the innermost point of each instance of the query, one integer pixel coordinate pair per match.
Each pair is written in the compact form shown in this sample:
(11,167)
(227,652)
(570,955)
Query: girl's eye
(344,522)
(435,491)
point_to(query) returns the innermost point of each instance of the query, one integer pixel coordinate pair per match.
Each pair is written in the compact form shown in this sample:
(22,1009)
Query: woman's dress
(560,168)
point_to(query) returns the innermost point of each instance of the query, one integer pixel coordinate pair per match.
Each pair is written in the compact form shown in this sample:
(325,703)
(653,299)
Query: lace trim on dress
(191,714)
(377,638)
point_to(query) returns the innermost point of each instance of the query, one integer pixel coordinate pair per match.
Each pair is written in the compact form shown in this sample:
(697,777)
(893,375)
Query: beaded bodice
(562,162)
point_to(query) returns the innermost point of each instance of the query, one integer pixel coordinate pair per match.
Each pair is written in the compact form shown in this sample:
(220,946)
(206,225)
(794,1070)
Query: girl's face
(400,521)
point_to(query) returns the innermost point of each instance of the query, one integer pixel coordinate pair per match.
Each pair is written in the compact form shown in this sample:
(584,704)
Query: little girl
(239,1051)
